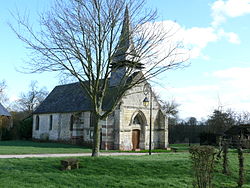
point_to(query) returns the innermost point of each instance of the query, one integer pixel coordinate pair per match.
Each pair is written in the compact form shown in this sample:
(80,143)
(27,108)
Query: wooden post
(241,164)
(225,157)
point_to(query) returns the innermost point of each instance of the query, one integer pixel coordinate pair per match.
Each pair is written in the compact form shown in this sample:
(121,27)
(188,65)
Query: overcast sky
(216,31)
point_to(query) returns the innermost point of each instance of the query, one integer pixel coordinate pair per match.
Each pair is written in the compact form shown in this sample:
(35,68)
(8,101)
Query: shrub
(203,164)
(25,128)
(44,137)
(6,134)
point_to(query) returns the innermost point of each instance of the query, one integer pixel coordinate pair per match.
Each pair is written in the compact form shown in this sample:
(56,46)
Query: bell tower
(125,58)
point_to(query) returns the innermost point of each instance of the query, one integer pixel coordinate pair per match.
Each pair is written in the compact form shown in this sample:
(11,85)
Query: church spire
(125,58)
(125,54)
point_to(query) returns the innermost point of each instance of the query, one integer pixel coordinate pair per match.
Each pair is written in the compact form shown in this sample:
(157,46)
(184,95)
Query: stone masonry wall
(82,130)
(116,129)
(132,104)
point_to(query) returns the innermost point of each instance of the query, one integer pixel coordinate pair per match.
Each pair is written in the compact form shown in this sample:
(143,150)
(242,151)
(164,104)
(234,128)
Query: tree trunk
(1,133)
(1,127)
(225,158)
(96,140)
(241,165)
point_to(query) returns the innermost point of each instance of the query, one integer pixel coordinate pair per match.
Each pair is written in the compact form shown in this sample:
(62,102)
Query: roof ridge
(68,84)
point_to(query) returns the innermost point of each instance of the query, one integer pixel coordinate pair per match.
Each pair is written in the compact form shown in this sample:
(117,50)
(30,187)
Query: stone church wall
(116,130)
(132,104)
(60,127)
(82,129)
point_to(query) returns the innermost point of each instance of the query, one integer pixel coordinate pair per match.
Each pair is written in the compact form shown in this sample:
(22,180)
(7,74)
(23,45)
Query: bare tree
(30,100)
(2,91)
(2,86)
(171,108)
(242,118)
(5,121)
(92,40)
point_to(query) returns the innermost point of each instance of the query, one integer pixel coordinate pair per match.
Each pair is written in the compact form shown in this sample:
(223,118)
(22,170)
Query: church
(65,115)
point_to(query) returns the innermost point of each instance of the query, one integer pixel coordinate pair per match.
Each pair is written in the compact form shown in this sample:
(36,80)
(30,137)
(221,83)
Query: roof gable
(3,111)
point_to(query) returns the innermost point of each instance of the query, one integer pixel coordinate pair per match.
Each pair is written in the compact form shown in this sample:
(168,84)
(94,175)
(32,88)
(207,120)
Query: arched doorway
(138,123)
(136,139)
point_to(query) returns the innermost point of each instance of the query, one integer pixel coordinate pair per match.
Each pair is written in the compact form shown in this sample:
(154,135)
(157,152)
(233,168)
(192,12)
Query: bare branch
(84,39)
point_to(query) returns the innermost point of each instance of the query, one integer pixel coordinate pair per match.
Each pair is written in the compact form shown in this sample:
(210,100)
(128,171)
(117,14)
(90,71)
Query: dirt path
(66,155)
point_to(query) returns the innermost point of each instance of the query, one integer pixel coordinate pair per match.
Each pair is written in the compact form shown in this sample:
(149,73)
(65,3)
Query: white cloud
(230,36)
(235,77)
(197,101)
(231,8)
(229,89)
(234,90)
(197,89)
(196,38)
(233,73)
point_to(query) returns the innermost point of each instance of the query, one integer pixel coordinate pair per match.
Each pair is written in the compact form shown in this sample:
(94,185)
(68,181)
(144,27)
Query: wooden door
(135,139)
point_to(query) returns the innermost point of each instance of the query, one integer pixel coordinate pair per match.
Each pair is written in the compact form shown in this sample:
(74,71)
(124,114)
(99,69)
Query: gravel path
(66,155)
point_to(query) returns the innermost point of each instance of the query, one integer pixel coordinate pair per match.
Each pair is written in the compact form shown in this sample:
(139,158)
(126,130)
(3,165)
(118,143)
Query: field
(159,170)
(28,147)
(162,170)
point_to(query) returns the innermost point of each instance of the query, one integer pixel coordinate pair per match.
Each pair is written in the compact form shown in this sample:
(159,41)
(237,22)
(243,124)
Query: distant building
(5,118)
(3,111)
(65,115)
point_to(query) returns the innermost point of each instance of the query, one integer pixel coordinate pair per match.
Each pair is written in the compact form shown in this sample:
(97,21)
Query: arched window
(137,119)
(92,119)
(71,123)
(50,122)
(37,122)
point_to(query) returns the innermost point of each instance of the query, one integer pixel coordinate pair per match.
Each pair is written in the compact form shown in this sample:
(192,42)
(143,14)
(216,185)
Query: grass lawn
(182,147)
(162,170)
(28,147)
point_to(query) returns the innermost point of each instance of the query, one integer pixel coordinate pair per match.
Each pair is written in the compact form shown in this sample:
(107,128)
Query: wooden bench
(71,163)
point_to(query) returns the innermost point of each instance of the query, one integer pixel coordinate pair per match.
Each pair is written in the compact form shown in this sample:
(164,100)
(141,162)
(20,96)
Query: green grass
(181,147)
(28,147)
(162,170)
(138,151)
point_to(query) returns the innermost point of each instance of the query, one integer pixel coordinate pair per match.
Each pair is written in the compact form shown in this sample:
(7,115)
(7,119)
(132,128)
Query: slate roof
(71,98)
(125,54)
(65,98)
(3,111)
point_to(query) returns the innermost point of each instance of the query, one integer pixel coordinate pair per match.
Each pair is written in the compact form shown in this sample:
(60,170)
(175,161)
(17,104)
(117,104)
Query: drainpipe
(106,140)
(150,124)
